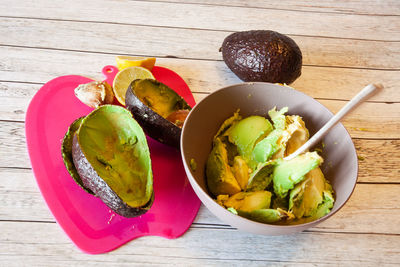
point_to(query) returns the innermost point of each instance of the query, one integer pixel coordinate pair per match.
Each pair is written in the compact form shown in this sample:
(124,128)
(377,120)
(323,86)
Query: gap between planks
(266,8)
(183,58)
(190,28)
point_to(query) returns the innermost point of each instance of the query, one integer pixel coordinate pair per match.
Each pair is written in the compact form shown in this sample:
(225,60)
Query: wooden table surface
(345,46)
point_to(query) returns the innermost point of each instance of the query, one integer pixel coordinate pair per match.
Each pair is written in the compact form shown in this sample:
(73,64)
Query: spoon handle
(368,91)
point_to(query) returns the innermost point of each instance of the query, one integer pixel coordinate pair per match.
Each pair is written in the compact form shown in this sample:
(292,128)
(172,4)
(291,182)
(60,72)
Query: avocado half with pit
(158,109)
(112,159)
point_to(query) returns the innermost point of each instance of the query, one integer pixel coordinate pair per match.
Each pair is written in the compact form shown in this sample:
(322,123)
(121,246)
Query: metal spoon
(368,91)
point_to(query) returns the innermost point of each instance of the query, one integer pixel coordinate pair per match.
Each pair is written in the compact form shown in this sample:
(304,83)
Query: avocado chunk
(248,201)
(261,177)
(288,135)
(262,56)
(267,147)
(308,194)
(241,171)
(246,132)
(278,117)
(227,125)
(112,158)
(288,173)
(220,179)
(293,137)
(158,109)
(66,152)
(267,215)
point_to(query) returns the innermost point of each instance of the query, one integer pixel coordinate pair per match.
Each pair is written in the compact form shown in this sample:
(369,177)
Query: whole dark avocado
(262,56)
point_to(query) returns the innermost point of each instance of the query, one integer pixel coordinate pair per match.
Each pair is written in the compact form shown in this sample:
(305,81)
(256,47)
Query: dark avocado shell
(66,152)
(142,99)
(262,56)
(112,160)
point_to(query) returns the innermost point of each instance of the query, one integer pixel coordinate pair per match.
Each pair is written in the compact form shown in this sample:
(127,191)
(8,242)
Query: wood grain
(41,65)
(358,7)
(23,202)
(378,158)
(223,247)
(156,41)
(345,45)
(222,18)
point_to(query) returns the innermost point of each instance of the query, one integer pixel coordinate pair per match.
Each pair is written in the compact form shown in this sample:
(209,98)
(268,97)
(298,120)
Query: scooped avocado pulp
(111,156)
(158,109)
(248,157)
(262,56)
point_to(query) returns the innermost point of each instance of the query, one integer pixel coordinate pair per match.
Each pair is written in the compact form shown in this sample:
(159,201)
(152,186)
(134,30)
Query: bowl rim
(204,194)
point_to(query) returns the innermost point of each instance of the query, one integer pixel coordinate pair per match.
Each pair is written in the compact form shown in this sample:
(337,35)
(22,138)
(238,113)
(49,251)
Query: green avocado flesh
(159,97)
(287,173)
(266,215)
(247,131)
(115,146)
(248,175)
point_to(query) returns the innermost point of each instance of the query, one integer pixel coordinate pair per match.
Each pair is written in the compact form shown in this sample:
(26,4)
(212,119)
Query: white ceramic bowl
(340,165)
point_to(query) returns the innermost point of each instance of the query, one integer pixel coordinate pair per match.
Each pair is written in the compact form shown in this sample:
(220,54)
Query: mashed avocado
(246,170)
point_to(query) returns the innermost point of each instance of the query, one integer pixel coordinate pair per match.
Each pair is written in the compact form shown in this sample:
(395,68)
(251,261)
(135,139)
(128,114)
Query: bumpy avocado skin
(66,152)
(262,56)
(153,124)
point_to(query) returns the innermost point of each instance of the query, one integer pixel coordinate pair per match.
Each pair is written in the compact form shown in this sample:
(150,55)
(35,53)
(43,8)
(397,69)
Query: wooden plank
(25,242)
(225,18)
(22,201)
(364,122)
(42,65)
(184,43)
(369,7)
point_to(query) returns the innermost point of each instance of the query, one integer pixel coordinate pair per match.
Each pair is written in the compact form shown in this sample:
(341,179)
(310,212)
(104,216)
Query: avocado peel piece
(111,155)
(66,152)
(158,109)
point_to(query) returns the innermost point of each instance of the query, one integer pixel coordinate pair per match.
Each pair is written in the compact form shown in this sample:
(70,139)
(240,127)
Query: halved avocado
(158,109)
(111,156)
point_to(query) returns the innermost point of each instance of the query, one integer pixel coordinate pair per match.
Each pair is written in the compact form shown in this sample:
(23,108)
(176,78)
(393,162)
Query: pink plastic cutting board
(90,224)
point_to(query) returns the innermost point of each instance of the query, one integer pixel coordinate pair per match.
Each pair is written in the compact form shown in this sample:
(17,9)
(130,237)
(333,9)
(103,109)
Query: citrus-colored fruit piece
(124,62)
(124,78)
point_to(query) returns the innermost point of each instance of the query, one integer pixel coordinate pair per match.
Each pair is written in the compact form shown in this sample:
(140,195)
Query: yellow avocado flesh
(116,147)
(159,97)
(307,195)
(249,201)
(220,179)
(240,171)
